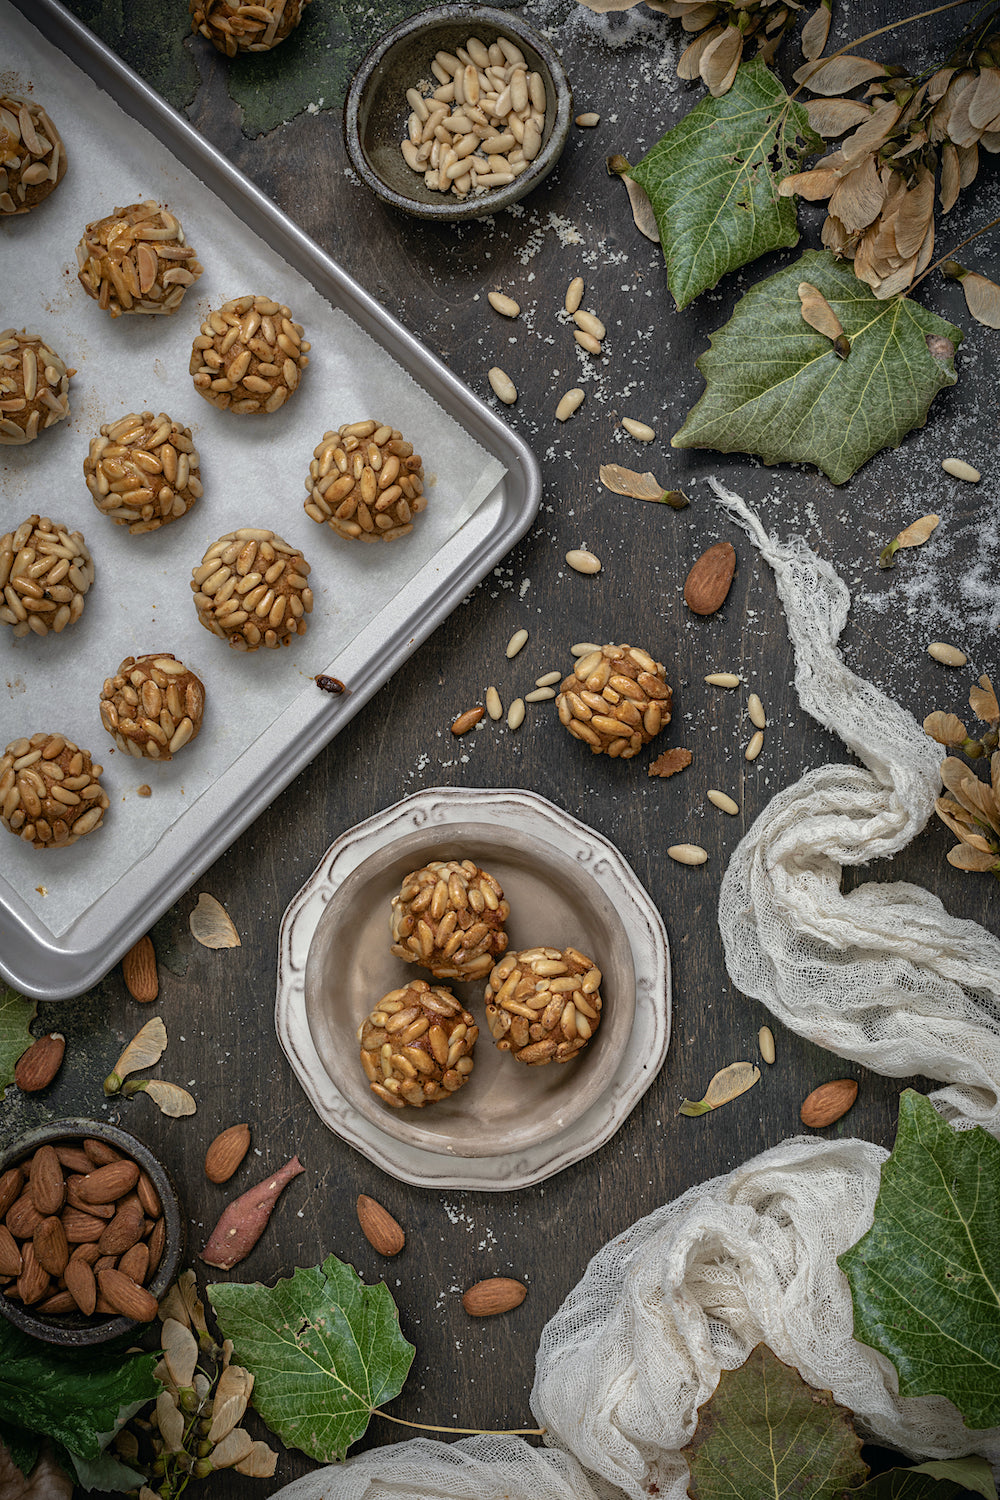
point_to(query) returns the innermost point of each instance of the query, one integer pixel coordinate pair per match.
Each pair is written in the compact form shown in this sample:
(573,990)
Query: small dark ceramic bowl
(75,1330)
(376,110)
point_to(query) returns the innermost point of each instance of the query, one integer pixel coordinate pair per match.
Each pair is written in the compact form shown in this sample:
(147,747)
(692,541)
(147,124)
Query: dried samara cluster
(724,29)
(908,140)
(971,808)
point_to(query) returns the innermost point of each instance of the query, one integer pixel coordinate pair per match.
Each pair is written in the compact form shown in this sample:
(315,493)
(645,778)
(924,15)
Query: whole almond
(96,1210)
(135,1263)
(105,1184)
(123,1231)
(36,1068)
(81,1283)
(81,1228)
(34,1280)
(139,969)
(226,1152)
(708,582)
(100,1153)
(157,1244)
(122,1294)
(57,1305)
(828,1103)
(51,1246)
(498,1295)
(11,1183)
(379,1228)
(74,1158)
(23,1217)
(148,1196)
(47,1184)
(10,1254)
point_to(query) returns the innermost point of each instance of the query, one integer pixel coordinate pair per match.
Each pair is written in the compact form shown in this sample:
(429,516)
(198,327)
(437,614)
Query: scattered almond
(827,1103)
(497,1295)
(226,1152)
(37,1067)
(139,969)
(709,580)
(379,1228)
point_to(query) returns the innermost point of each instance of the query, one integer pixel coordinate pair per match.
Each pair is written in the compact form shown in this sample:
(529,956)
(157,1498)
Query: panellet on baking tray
(100,895)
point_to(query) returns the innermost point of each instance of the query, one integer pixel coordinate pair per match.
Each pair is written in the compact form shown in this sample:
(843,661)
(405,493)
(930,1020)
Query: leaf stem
(950,254)
(491,1431)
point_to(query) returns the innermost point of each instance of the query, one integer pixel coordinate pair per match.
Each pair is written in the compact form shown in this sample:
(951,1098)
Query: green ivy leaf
(16,1016)
(777,388)
(925,1279)
(69,1396)
(948,1479)
(765,1432)
(713,180)
(325,1351)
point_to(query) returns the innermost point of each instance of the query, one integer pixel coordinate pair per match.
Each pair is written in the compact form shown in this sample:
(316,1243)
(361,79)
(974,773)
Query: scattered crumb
(670,762)
(144,791)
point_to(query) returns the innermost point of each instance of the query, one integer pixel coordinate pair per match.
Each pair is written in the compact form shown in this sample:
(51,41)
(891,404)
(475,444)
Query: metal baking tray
(50,968)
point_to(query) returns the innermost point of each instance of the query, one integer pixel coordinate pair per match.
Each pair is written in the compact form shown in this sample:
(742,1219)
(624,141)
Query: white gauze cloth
(689,1291)
(882,975)
(477,1468)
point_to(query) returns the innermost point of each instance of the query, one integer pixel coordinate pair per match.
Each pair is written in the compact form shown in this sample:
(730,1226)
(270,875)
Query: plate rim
(643,1057)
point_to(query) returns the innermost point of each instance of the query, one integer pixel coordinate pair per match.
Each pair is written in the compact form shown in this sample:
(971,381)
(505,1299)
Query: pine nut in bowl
(457,113)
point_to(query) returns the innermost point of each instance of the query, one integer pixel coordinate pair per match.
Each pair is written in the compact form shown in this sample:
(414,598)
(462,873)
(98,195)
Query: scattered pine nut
(583,648)
(755,709)
(515,714)
(640,430)
(959,469)
(765,1041)
(587,341)
(547,679)
(568,404)
(582,561)
(505,306)
(723,679)
(540,695)
(467,720)
(493,705)
(590,324)
(949,656)
(723,802)
(517,641)
(587,120)
(688,854)
(755,746)
(503,387)
(574,295)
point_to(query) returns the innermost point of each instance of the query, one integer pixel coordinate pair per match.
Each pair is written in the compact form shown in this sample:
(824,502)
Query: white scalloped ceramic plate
(544,1118)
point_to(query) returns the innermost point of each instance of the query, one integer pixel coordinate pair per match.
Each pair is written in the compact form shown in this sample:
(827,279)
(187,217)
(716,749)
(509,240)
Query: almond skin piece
(139,969)
(124,1296)
(226,1152)
(827,1103)
(708,582)
(379,1227)
(37,1067)
(498,1295)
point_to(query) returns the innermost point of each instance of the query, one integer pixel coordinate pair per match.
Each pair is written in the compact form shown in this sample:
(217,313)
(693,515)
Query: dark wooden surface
(218,1007)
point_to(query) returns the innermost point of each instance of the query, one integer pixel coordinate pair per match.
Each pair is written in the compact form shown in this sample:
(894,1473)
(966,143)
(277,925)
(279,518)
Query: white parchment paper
(253,470)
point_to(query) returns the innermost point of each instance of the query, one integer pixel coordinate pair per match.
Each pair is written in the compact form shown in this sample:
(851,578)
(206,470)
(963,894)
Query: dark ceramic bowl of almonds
(457,113)
(91,1233)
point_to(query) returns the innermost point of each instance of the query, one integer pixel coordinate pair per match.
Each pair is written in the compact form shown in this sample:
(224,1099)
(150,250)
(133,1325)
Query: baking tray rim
(48,968)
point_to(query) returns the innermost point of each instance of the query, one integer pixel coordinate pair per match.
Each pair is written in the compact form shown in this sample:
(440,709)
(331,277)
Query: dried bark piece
(670,762)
